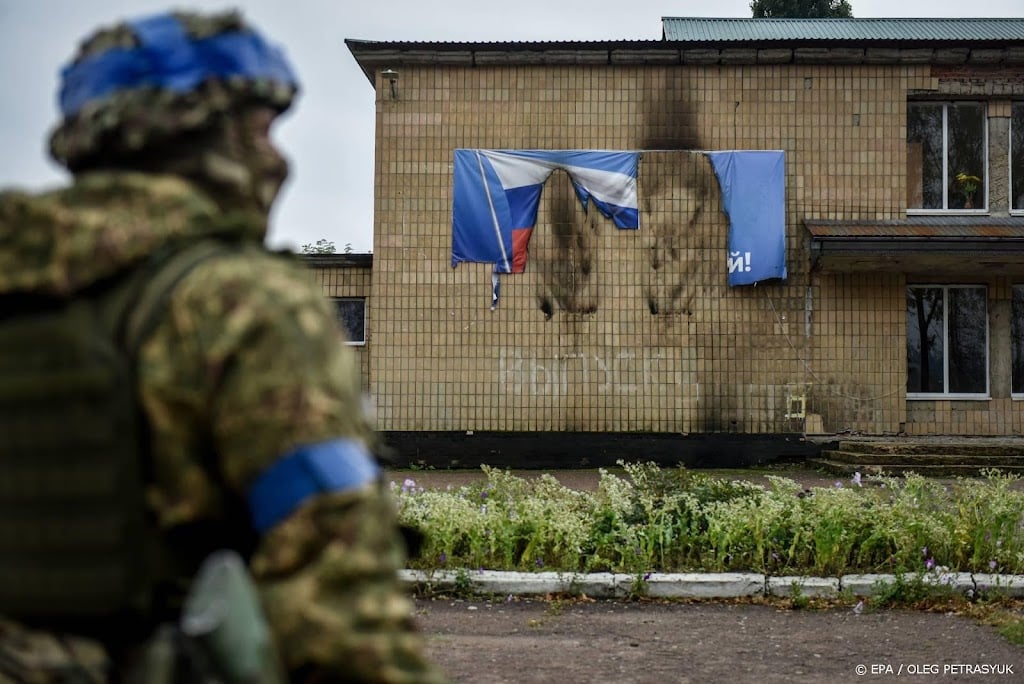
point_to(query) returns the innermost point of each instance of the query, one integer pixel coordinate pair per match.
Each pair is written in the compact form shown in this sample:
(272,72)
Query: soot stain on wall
(672,200)
(673,192)
(566,259)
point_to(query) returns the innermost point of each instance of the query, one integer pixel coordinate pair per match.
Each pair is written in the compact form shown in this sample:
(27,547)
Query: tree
(322,246)
(801,9)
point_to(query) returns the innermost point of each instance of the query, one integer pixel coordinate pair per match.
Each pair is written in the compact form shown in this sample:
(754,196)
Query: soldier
(171,388)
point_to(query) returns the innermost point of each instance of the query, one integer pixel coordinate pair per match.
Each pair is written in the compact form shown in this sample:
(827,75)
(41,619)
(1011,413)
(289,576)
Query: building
(901,309)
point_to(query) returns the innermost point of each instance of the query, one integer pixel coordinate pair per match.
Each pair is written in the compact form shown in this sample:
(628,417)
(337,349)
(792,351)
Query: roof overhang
(373,56)
(339,260)
(948,246)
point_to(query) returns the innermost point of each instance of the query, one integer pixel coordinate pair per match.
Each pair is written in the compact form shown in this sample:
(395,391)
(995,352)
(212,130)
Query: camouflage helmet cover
(141,83)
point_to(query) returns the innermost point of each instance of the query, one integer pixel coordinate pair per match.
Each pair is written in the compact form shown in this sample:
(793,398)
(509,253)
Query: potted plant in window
(968,185)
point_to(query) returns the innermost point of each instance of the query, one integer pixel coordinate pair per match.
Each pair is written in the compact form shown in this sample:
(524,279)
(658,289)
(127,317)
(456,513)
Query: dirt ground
(527,641)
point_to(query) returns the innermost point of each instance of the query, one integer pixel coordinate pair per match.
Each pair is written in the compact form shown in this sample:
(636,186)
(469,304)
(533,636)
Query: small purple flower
(838,485)
(647,576)
(929,564)
(539,563)
(483,494)
(775,556)
(443,558)
(992,565)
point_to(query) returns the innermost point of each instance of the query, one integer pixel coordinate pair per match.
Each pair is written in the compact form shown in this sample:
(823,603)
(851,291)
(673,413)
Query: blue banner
(753,188)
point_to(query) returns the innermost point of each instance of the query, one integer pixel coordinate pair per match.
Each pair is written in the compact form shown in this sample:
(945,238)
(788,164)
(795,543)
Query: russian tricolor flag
(497,193)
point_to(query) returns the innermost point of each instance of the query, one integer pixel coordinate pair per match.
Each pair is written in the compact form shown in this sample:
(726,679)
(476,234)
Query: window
(1017,342)
(352,316)
(947,341)
(946,156)
(1017,157)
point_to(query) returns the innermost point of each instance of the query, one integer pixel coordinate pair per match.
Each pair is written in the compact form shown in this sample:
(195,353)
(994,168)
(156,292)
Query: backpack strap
(155,284)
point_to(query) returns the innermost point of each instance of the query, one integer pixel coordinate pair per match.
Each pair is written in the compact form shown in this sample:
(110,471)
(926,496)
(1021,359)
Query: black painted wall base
(554,450)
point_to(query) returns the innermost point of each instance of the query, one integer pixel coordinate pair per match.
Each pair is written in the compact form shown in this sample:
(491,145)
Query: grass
(1011,626)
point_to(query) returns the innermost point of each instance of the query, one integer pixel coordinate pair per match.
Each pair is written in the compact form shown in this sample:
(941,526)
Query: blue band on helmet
(167,58)
(309,470)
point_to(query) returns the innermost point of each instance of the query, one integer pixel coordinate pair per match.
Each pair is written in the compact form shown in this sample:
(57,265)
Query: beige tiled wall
(350,281)
(637,330)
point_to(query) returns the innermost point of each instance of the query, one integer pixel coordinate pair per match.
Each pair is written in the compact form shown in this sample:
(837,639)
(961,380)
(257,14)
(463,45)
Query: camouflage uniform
(245,365)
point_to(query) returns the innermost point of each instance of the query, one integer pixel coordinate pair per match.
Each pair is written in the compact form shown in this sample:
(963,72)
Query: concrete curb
(710,585)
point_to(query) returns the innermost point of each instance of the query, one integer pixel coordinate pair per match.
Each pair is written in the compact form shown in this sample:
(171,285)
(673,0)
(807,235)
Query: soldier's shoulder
(16,201)
(240,298)
(249,278)
(251,266)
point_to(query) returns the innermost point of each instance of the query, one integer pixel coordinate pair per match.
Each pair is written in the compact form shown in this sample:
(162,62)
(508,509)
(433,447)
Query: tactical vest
(76,541)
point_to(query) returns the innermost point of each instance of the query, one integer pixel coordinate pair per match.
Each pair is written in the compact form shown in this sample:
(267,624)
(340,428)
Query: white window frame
(945,161)
(362,300)
(946,394)
(1009,163)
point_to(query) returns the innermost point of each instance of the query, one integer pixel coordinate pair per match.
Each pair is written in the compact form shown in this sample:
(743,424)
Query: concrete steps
(931,456)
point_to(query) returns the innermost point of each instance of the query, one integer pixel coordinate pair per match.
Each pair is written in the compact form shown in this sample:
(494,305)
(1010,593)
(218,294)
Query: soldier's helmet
(143,83)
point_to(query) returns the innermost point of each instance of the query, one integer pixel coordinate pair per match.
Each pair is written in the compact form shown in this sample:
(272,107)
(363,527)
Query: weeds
(1011,627)
(797,598)
(463,583)
(674,520)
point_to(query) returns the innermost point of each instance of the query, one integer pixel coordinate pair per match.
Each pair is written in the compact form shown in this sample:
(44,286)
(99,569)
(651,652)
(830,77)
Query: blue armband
(309,470)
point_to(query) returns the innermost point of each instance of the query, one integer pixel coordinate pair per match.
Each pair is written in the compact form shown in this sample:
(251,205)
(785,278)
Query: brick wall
(341,279)
(637,331)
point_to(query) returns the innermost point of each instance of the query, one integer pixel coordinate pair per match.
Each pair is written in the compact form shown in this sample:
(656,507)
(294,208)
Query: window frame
(352,343)
(946,394)
(1014,104)
(986,179)
(1014,288)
